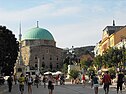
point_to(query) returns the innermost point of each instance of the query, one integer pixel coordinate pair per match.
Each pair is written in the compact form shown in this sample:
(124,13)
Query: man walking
(120,81)
(10,82)
(106,81)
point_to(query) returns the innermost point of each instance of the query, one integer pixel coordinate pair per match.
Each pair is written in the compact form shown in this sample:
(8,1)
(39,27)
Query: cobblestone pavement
(60,89)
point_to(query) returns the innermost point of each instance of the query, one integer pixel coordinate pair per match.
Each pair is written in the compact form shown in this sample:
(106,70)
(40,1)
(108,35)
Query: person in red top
(57,79)
(83,80)
(106,81)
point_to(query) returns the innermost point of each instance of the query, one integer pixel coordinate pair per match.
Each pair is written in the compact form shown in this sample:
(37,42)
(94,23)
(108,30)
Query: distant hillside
(84,50)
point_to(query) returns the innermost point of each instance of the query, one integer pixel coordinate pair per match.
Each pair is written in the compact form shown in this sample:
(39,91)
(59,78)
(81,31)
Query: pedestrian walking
(95,83)
(91,78)
(30,82)
(21,81)
(62,80)
(15,78)
(106,81)
(83,80)
(50,83)
(44,81)
(10,82)
(120,81)
(37,80)
(57,79)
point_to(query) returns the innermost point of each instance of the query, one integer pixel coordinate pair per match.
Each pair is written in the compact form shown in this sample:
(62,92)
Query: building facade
(112,35)
(39,51)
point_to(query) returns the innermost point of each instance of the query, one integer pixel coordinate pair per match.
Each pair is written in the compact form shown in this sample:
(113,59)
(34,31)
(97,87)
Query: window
(47,51)
(43,57)
(36,65)
(43,64)
(57,59)
(35,57)
(50,57)
(51,65)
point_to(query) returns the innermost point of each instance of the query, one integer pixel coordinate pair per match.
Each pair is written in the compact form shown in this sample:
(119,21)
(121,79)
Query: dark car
(2,80)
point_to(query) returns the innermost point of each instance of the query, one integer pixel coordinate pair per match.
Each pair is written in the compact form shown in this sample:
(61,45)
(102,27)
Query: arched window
(51,66)
(57,59)
(50,57)
(35,57)
(36,65)
(43,64)
(43,57)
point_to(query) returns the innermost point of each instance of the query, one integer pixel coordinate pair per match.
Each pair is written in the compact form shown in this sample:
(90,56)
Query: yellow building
(111,36)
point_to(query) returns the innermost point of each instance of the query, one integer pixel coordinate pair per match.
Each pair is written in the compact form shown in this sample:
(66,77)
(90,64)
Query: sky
(75,23)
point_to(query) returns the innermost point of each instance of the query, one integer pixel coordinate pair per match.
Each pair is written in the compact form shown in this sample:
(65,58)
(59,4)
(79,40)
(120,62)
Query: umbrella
(48,72)
(54,74)
(59,72)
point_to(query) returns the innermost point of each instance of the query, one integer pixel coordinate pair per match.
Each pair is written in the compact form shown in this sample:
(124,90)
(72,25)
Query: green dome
(37,33)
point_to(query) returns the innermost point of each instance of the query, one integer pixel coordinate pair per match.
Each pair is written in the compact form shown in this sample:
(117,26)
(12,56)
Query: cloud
(76,34)
(71,22)
(27,14)
(66,11)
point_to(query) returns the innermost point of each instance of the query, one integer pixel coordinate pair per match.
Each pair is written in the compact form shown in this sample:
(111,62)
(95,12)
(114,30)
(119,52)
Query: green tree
(74,74)
(83,64)
(65,68)
(98,61)
(9,48)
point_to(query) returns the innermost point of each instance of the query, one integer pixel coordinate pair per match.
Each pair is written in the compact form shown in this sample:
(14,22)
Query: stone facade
(49,56)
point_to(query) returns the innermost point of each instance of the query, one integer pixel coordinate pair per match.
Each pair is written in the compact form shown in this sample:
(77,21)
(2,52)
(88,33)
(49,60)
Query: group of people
(106,81)
(28,80)
(21,80)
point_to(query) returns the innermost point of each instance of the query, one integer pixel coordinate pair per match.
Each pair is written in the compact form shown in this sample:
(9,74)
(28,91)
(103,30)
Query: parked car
(2,80)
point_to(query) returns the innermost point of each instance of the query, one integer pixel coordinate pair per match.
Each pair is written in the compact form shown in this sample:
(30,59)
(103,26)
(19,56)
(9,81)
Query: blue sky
(72,22)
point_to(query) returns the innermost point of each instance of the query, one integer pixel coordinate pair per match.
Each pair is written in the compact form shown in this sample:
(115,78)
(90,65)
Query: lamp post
(38,65)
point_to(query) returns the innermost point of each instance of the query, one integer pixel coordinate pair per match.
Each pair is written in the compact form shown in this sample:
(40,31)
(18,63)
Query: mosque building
(38,51)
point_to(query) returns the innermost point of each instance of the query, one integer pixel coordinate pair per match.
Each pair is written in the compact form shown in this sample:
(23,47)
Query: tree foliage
(112,57)
(8,50)
(74,74)
(98,61)
(65,68)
